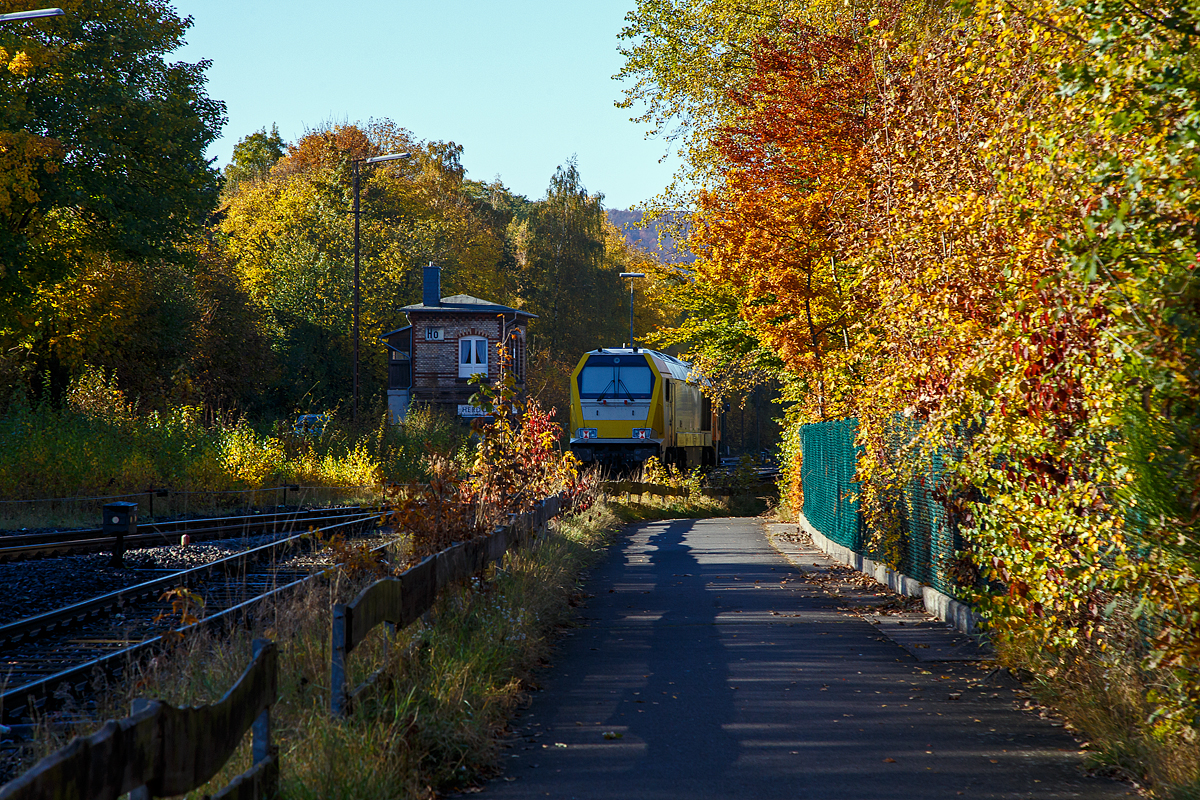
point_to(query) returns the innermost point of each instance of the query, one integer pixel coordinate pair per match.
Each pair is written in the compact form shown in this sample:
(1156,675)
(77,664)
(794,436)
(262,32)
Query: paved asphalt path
(708,666)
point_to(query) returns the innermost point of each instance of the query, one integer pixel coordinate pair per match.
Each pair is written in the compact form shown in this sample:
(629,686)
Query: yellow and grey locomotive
(628,404)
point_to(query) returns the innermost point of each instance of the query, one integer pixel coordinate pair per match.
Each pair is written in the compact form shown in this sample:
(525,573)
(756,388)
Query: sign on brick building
(448,340)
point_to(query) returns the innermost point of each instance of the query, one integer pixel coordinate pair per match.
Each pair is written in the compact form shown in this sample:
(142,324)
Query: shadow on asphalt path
(709,667)
(670,728)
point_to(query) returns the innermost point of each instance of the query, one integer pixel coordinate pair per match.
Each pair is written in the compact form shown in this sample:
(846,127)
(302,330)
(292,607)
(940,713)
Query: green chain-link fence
(827,475)
(928,541)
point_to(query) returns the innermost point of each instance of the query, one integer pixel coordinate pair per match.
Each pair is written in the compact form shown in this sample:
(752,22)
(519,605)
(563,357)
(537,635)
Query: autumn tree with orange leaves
(796,168)
(974,232)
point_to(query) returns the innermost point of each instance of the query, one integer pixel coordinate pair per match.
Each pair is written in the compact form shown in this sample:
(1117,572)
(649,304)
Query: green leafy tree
(683,61)
(713,335)
(569,258)
(291,240)
(228,363)
(108,140)
(1135,97)
(254,155)
(562,275)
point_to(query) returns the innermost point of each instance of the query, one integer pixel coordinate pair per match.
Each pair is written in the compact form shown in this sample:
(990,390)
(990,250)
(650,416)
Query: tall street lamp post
(631,276)
(19,16)
(357,161)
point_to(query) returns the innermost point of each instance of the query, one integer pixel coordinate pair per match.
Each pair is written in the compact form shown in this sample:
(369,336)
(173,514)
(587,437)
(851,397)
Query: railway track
(49,661)
(19,547)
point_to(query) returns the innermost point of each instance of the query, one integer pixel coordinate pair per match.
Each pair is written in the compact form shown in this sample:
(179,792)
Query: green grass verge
(98,444)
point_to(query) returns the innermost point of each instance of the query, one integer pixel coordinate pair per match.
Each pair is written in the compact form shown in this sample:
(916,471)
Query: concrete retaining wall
(942,606)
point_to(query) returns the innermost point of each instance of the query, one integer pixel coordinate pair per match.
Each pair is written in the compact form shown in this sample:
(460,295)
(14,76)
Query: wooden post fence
(162,751)
(402,600)
(634,488)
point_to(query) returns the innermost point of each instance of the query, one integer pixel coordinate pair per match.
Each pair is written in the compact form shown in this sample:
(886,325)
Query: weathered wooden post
(261,748)
(337,662)
(120,518)
(139,705)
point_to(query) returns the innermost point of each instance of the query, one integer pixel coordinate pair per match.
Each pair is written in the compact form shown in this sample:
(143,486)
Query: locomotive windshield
(614,377)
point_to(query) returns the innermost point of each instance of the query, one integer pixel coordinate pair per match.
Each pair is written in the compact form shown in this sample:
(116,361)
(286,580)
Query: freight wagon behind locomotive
(628,404)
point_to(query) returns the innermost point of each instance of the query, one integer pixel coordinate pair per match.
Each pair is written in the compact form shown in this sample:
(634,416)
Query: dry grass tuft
(1105,696)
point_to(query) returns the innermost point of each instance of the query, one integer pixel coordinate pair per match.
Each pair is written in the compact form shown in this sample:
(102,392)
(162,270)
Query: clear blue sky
(521,85)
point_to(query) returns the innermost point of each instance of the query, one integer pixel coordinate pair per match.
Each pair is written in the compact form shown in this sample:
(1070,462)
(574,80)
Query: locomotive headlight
(643,433)
(586,433)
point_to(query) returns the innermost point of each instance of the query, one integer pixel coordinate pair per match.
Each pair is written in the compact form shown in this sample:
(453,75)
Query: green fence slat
(827,475)
(829,463)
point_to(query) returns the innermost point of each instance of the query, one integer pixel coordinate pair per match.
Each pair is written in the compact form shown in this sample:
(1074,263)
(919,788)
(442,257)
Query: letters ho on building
(447,340)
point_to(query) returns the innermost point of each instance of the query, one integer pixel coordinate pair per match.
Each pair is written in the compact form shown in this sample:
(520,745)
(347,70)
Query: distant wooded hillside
(646,237)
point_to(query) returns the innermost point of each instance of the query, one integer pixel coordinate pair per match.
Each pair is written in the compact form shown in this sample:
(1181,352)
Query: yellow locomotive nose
(656,409)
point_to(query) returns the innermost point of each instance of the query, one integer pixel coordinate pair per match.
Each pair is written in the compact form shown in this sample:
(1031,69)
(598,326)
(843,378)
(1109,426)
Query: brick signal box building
(447,340)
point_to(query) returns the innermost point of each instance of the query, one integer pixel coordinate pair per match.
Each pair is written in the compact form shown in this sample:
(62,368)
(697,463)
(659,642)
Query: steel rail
(61,689)
(41,692)
(45,694)
(41,545)
(181,525)
(34,626)
(104,544)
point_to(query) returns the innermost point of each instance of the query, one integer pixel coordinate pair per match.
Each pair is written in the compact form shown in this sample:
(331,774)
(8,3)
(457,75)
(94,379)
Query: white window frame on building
(475,359)
(516,352)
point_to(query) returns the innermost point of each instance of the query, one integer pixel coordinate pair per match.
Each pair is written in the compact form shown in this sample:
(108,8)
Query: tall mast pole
(354,407)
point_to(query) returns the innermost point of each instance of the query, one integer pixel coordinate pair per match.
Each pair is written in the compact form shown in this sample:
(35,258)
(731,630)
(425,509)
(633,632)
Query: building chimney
(431,294)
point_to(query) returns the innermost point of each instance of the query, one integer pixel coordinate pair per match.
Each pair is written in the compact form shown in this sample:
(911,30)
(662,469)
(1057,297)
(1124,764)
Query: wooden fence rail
(634,487)
(611,488)
(162,751)
(658,489)
(402,600)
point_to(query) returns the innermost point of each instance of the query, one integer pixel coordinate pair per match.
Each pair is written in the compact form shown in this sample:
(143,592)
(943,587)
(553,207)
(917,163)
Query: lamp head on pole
(632,343)
(39,13)
(389,157)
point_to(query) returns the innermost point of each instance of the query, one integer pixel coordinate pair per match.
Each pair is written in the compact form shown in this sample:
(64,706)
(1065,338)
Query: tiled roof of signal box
(466,304)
